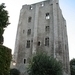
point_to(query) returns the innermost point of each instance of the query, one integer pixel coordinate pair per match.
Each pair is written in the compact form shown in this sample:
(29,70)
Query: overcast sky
(14,6)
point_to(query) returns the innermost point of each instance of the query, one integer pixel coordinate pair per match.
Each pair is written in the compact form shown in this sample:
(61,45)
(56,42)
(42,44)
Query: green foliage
(14,71)
(72,66)
(5,53)
(3,20)
(1,39)
(3,16)
(41,64)
(5,59)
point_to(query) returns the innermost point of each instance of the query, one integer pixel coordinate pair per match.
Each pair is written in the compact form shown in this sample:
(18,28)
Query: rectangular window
(47,16)
(28,44)
(47,41)
(47,28)
(29,19)
(29,31)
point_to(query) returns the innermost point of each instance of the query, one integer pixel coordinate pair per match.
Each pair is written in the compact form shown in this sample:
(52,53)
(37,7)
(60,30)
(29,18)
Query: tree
(41,64)
(72,66)
(4,22)
(14,71)
(5,53)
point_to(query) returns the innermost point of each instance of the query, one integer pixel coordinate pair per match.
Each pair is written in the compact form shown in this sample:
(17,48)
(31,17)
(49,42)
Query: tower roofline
(48,1)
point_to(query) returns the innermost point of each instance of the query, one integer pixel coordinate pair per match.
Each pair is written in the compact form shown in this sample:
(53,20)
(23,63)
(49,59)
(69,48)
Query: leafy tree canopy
(41,64)
(4,22)
(3,16)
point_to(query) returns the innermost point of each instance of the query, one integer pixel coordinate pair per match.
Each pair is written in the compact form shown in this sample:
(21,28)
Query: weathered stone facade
(41,25)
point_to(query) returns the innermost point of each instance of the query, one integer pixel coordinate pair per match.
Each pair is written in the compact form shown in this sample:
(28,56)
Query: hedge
(5,59)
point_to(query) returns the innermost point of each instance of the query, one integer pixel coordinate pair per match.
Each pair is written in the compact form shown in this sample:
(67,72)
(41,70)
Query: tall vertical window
(29,19)
(47,41)
(28,44)
(29,31)
(38,43)
(47,28)
(24,61)
(23,31)
(47,16)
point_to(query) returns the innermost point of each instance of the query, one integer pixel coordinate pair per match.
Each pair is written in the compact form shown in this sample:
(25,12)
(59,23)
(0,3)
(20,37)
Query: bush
(14,71)
(41,64)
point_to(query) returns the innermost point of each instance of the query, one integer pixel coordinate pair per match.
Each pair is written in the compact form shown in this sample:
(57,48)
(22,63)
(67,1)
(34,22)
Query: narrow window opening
(29,31)
(47,16)
(47,28)
(29,19)
(65,47)
(28,44)
(47,41)
(31,8)
(23,31)
(24,61)
(39,43)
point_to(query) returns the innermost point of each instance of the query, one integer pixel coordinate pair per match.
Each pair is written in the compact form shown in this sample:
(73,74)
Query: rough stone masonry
(41,25)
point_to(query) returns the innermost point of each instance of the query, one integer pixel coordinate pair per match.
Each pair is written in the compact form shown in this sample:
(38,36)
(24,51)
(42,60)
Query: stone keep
(41,25)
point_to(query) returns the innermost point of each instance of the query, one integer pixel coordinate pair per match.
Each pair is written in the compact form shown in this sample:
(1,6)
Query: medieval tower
(41,25)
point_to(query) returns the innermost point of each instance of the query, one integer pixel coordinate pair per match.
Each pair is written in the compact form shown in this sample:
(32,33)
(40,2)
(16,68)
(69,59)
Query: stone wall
(39,23)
